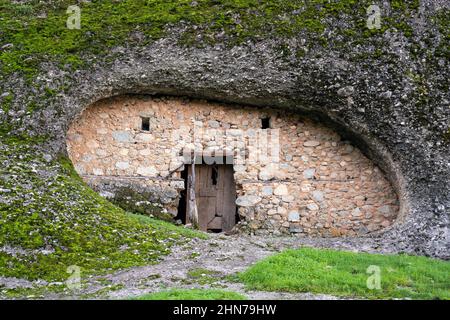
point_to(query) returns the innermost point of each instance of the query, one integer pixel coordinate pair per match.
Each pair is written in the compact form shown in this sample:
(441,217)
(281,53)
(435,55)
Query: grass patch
(192,294)
(204,276)
(345,274)
(201,272)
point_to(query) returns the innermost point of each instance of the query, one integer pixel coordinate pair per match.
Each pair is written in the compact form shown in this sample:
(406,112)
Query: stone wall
(144,195)
(295,177)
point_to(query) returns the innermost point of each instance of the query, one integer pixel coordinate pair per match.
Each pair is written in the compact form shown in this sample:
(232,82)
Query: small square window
(145,124)
(265,123)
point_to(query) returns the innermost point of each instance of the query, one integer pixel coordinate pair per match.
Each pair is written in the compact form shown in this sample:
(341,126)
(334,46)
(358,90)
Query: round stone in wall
(356,212)
(317,195)
(287,198)
(122,165)
(312,206)
(122,136)
(145,152)
(293,216)
(247,201)
(309,173)
(98,172)
(267,190)
(101,153)
(177,184)
(311,143)
(102,131)
(144,137)
(266,175)
(147,171)
(385,210)
(281,190)
(213,124)
(295,229)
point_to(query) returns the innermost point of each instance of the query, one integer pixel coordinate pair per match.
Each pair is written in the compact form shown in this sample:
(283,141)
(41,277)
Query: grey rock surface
(395,107)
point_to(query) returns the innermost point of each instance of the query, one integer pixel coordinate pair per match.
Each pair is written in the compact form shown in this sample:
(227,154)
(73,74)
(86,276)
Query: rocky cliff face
(384,89)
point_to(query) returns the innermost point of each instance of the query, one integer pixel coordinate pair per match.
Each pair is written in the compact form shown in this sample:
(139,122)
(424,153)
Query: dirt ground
(197,263)
(219,256)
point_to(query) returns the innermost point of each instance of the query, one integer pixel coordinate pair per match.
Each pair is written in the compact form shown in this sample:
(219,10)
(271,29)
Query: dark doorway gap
(183,198)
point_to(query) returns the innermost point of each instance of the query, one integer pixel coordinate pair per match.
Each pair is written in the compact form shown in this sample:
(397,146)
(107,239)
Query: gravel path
(219,256)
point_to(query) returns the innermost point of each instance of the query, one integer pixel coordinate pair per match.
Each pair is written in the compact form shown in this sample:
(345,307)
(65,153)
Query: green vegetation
(192,294)
(37,31)
(443,23)
(59,288)
(204,276)
(194,255)
(51,220)
(200,272)
(345,274)
(157,223)
(35,292)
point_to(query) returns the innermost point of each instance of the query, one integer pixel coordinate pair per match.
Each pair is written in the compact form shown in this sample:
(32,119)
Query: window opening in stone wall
(265,123)
(145,124)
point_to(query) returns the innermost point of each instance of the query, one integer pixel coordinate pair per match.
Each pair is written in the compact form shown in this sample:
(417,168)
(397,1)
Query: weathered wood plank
(215,196)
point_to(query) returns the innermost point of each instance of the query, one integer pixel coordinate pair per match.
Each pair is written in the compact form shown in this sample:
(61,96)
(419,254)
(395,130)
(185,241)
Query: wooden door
(215,195)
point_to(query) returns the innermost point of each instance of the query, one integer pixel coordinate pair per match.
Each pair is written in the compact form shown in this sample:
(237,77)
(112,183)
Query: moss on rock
(37,32)
(51,220)
(133,201)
